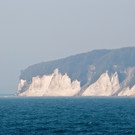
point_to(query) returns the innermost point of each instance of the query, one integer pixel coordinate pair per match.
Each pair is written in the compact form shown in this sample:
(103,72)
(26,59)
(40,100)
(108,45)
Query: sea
(67,116)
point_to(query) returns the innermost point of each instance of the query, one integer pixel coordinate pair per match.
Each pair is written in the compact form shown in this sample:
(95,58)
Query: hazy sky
(32,31)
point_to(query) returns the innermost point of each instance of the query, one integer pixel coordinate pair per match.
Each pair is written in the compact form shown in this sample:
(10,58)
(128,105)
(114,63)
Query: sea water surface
(67,116)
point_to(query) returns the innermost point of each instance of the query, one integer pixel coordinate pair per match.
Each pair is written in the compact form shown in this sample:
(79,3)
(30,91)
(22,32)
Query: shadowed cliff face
(106,69)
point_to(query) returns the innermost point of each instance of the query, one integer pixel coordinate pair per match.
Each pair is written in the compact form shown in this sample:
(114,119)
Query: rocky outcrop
(55,84)
(104,86)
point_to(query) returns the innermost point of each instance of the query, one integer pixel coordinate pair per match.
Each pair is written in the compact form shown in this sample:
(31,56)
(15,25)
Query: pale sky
(32,31)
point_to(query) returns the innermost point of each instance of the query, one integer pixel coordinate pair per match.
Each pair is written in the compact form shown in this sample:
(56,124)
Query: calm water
(71,116)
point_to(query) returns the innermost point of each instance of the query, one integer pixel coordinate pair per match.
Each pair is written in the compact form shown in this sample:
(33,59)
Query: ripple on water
(67,116)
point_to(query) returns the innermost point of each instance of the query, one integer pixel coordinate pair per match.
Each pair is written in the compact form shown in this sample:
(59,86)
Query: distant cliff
(96,73)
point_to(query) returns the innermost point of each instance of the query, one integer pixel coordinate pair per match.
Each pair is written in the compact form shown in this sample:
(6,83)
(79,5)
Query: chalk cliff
(55,84)
(96,73)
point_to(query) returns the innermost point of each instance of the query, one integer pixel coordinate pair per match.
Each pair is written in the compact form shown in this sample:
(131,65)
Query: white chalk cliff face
(104,86)
(55,84)
(128,92)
